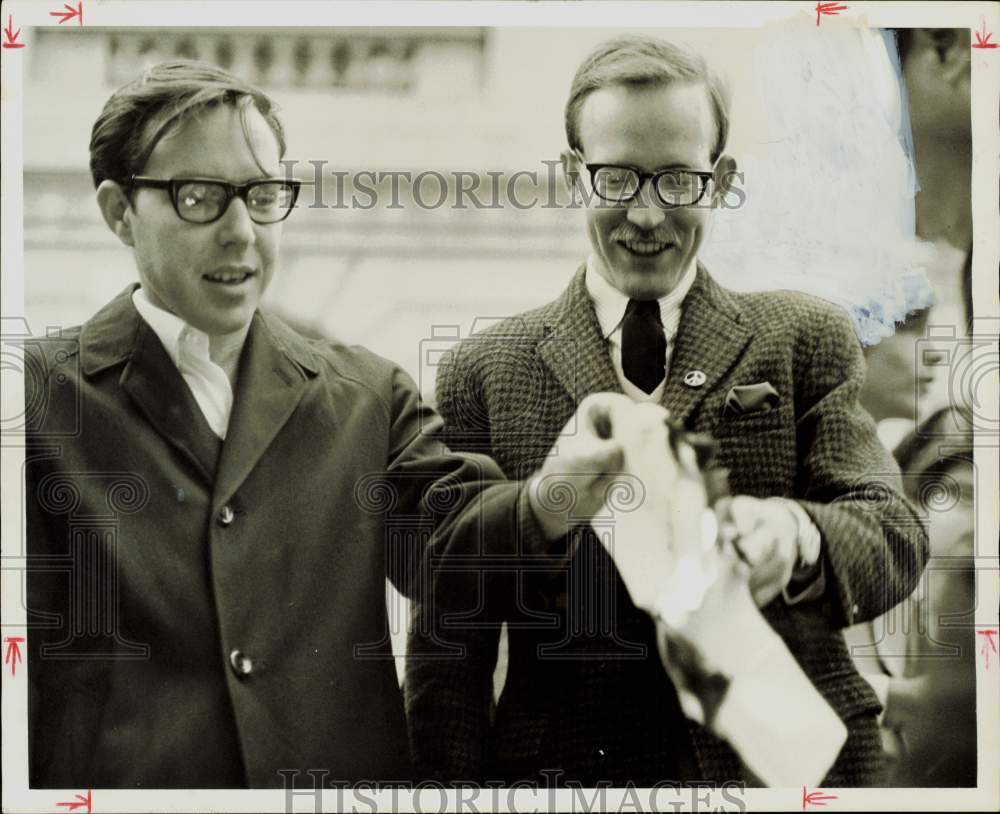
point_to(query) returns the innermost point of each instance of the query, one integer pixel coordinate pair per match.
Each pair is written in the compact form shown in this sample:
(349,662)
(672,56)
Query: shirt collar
(610,303)
(171,329)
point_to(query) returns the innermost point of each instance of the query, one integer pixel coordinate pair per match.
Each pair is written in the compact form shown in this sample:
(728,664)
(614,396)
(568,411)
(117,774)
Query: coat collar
(709,339)
(109,337)
(275,367)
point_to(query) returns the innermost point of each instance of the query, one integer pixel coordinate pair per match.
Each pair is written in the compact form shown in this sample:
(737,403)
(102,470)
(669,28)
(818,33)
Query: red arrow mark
(983,39)
(828,9)
(12,35)
(13,655)
(815,798)
(69,13)
(988,644)
(80,801)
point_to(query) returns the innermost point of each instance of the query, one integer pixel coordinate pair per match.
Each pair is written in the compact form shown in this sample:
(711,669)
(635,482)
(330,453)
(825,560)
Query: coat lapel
(116,335)
(275,369)
(710,338)
(574,349)
(158,389)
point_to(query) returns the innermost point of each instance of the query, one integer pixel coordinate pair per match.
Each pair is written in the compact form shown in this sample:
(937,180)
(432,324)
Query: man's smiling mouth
(646,248)
(233,276)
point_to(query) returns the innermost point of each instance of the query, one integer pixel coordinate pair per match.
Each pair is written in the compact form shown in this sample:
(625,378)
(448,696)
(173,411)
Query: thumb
(602,458)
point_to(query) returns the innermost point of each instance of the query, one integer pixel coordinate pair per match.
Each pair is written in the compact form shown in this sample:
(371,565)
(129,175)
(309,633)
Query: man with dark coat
(213,501)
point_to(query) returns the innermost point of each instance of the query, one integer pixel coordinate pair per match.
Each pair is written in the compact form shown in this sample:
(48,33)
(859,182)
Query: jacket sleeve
(448,690)
(874,542)
(453,637)
(449,516)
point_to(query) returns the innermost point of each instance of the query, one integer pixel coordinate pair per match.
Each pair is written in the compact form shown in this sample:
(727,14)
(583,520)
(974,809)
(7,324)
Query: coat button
(241,663)
(226,515)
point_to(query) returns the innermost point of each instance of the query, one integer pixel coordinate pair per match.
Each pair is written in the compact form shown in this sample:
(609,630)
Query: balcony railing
(366,59)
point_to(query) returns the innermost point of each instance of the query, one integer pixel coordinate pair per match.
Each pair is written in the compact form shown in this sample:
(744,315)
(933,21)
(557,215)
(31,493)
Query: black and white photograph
(515,406)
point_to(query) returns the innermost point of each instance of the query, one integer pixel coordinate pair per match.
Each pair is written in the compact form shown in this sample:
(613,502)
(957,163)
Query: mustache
(630,233)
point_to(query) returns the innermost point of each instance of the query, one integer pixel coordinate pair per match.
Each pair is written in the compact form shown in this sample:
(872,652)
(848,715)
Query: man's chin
(645,278)
(224,324)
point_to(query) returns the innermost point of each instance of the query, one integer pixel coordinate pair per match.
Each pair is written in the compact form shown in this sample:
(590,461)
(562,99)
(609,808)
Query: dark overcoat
(205,613)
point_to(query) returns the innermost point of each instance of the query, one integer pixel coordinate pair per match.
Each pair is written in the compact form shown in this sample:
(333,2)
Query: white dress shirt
(610,305)
(188,349)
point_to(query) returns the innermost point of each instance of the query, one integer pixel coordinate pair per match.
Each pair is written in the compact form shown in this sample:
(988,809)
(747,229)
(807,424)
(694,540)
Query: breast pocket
(760,452)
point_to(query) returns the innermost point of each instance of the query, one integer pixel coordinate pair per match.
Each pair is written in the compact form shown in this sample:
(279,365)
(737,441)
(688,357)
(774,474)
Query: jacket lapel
(116,335)
(710,338)
(275,369)
(158,389)
(574,350)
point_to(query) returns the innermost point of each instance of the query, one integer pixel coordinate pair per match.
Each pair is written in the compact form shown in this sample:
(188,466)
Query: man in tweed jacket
(774,377)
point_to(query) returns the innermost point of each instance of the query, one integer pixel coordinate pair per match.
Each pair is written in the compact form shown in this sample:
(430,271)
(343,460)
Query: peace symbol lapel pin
(694,378)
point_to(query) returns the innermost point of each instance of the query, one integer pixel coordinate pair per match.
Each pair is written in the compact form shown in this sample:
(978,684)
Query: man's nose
(643,210)
(235,225)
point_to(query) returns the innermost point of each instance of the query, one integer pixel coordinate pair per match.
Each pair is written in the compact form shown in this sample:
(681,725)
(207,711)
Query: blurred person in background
(929,685)
(937,73)
(897,379)
(886,649)
(774,377)
(936,70)
(208,544)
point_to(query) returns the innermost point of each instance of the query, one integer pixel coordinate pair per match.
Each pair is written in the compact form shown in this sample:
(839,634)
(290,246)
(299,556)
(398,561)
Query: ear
(116,209)
(571,167)
(726,179)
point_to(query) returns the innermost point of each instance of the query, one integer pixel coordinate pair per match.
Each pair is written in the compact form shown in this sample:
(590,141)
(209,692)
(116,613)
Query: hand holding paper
(766,538)
(732,672)
(573,483)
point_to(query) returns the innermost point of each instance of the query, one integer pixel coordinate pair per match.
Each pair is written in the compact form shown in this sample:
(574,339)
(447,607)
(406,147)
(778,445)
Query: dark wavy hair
(142,112)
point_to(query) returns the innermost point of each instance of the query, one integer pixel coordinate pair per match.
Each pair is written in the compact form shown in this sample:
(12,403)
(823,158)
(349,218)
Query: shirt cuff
(811,581)
(794,593)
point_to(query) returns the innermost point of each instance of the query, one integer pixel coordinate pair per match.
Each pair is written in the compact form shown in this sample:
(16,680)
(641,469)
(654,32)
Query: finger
(767,581)
(756,548)
(723,510)
(765,594)
(764,572)
(733,561)
(601,459)
(746,514)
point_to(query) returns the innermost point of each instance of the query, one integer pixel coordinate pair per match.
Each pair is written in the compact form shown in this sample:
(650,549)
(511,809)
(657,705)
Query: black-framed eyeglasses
(205,200)
(619,184)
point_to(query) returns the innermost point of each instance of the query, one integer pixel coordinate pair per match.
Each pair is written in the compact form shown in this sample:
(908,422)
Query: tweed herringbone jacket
(586,698)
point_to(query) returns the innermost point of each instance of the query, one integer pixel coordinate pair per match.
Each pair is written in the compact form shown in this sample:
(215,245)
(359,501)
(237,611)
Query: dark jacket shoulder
(353,366)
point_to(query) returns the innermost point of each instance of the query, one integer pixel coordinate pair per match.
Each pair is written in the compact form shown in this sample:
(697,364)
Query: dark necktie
(644,346)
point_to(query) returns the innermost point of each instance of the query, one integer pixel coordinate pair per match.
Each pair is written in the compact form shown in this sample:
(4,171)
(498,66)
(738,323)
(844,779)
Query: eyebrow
(194,176)
(685,167)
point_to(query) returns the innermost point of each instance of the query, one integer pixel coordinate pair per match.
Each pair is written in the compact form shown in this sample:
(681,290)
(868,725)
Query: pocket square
(751,398)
